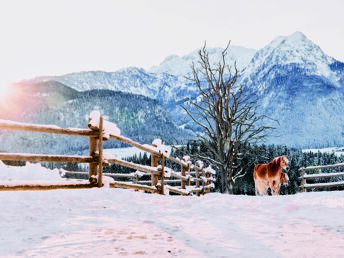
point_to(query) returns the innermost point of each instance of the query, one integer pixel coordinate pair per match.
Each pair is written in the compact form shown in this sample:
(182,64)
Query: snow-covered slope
(129,79)
(162,86)
(287,51)
(165,82)
(117,222)
(301,87)
(181,66)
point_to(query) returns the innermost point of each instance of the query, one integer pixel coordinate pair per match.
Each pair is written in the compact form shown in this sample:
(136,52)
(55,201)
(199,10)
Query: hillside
(139,117)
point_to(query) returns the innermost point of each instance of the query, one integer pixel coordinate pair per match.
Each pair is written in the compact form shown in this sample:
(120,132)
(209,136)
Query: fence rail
(100,130)
(303,177)
(11,125)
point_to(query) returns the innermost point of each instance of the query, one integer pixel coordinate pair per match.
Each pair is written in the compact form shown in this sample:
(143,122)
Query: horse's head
(284,163)
(284,179)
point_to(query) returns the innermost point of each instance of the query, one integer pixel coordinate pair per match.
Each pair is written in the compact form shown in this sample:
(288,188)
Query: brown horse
(270,176)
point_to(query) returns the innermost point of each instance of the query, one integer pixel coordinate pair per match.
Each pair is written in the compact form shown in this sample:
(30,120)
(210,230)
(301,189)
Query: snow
(31,172)
(123,152)
(93,120)
(293,49)
(131,151)
(210,170)
(181,66)
(140,174)
(111,129)
(118,222)
(338,151)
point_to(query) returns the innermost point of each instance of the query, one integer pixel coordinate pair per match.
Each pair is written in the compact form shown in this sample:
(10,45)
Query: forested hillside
(137,116)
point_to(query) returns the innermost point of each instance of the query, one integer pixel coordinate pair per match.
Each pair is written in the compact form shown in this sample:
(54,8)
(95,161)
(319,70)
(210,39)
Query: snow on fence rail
(303,177)
(100,130)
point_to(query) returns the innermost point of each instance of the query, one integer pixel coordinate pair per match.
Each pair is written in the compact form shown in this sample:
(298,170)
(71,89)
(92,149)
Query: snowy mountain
(294,81)
(283,52)
(163,86)
(181,66)
(165,82)
(300,86)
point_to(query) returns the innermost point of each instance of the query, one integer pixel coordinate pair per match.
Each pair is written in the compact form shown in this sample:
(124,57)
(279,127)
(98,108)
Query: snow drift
(115,222)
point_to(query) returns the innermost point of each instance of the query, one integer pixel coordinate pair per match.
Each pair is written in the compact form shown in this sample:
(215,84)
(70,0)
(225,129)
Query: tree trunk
(224,181)
(230,182)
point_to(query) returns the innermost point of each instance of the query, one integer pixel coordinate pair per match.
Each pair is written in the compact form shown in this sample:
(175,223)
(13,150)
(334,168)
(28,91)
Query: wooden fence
(100,130)
(303,177)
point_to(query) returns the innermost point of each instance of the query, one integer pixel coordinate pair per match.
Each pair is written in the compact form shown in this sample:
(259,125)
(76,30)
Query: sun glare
(9,101)
(4,91)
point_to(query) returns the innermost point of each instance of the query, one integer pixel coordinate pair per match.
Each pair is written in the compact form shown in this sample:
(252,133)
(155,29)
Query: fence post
(100,160)
(303,180)
(189,173)
(154,163)
(136,179)
(92,167)
(198,169)
(183,183)
(162,174)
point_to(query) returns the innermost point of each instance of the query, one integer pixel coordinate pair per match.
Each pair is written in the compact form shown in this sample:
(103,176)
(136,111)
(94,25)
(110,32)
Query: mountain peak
(293,49)
(181,65)
(298,36)
(295,41)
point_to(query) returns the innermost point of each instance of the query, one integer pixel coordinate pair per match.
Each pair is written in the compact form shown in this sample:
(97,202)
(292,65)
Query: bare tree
(226,113)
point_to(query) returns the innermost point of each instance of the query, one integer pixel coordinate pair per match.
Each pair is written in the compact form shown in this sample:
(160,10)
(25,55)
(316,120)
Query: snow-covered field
(124,152)
(115,222)
(336,150)
(130,151)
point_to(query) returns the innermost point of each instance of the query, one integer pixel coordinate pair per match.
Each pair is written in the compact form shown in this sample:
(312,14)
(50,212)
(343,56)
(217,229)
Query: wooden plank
(178,190)
(130,142)
(324,185)
(134,186)
(322,175)
(150,149)
(44,187)
(323,167)
(196,190)
(178,161)
(168,181)
(46,157)
(116,175)
(179,175)
(10,125)
(79,174)
(138,167)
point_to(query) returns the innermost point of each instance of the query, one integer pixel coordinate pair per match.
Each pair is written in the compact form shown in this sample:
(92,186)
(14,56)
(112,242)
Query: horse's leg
(256,187)
(266,187)
(263,188)
(259,188)
(275,187)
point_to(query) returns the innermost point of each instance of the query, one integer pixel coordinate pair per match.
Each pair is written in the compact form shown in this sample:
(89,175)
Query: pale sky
(41,37)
